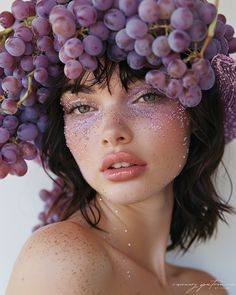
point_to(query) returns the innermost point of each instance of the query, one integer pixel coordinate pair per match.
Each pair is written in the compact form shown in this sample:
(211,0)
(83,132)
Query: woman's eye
(150,97)
(81,109)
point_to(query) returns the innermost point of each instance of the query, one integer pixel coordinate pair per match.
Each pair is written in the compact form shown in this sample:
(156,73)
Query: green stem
(29,90)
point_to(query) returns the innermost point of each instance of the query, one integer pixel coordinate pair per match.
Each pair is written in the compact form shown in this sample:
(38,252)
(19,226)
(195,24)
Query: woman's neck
(140,230)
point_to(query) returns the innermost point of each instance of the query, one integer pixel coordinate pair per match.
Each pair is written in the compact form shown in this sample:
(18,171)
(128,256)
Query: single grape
(143,46)
(154,60)
(124,41)
(15,46)
(73,48)
(129,7)
(88,62)
(86,15)
(219,29)
(4,135)
(41,26)
(174,88)
(167,59)
(26,63)
(9,106)
(191,97)
(24,33)
(207,12)
(212,49)
(207,82)
(100,30)
(6,60)
(136,28)
(156,79)
(201,67)
(116,54)
(182,18)
(114,19)
(40,60)
(161,47)
(149,11)
(11,84)
(9,155)
(42,123)
(4,170)
(20,9)
(73,69)
(19,168)
(6,19)
(10,122)
(41,75)
(176,68)
(198,31)
(179,41)
(135,61)
(102,4)
(229,32)
(92,45)
(64,26)
(28,48)
(167,7)
(44,43)
(27,131)
(28,150)
(190,79)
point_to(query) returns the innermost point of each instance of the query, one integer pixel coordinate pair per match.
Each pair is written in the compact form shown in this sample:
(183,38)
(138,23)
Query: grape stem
(82,32)
(210,34)
(28,20)
(29,89)
(155,26)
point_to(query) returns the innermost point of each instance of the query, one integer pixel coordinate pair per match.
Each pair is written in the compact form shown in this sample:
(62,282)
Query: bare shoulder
(60,258)
(201,282)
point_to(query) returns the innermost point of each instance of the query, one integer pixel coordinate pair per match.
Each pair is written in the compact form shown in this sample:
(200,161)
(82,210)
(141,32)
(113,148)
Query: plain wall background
(20,205)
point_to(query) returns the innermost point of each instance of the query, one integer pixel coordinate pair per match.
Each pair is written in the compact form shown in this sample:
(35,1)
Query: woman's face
(142,122)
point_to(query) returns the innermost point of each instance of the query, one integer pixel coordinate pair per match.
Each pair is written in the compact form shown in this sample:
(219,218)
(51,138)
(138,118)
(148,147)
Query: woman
(113,236)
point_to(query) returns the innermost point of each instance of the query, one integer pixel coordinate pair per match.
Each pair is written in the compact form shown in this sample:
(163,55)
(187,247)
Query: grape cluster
(175,39)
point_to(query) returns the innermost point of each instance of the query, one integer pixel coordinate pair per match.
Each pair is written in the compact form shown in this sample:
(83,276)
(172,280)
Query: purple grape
(88,62)
(167,7)
(28,48)
(207,12)
(41,26)
(100,30)
(102,4)
(86,15)
(191,97)
(149,11)
(191,4)
(4,135)
(41,75)
(207,81)
(201,67)
(179,41)
(174,88)
(190,79)
(4,170)
(15,46)
(9,155)
(93,45)
(229,32)
(45,43)
(116,54)
(27,63)
(64,26)
(219,29)
(6,60)
(11,84)
(9,106)
(198,31)
(176,68)
(28,150)
(124,41)
(73,48)
(20,9)
(129,7)
(73,69)
(136,28)
(27,131)
(232,45)
(114,19)
(161,47)
(154,60)
(143,46)
(19,168)
(135,61)
(10,122)
(167,59)
(42,123)
(6,19)
(211,49)
(24,33)
(182,18)
(156,79)
(44,7)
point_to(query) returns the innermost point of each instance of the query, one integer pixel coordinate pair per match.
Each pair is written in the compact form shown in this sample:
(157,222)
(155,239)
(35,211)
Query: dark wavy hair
(197,205)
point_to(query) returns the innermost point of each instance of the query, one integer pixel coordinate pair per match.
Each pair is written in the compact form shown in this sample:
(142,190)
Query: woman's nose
(116,129)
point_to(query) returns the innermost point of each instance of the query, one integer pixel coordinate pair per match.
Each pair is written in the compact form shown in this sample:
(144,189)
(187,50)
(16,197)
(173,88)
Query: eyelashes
(80,108)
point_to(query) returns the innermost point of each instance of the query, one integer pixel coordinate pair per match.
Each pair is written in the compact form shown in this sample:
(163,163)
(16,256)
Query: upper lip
(119,157)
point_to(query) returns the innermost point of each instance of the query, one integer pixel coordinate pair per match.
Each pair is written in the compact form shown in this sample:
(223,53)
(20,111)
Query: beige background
(20,205)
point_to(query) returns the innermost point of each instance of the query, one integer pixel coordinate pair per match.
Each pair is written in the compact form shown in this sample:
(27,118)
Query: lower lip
(122,174)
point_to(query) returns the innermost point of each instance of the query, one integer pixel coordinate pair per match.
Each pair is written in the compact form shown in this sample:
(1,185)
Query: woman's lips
(125,173)
(120,157)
